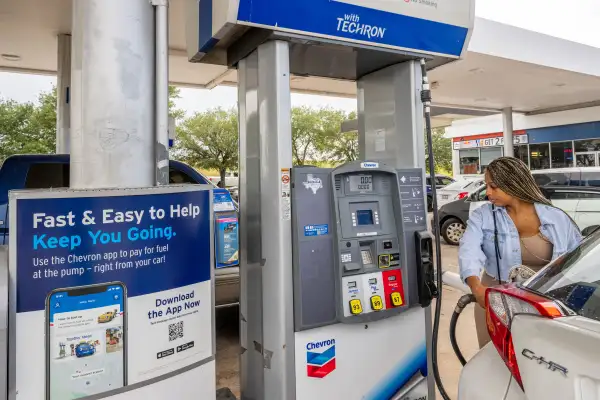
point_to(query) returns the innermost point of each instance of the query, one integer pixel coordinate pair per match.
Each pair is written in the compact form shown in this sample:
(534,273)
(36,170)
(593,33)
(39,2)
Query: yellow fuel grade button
(356,307)
(396,299)
(376,303)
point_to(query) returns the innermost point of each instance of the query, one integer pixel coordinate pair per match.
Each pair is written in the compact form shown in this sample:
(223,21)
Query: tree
(314,133)
(175,93)
(209,140)
(343,147)
(442,150)
(28,128)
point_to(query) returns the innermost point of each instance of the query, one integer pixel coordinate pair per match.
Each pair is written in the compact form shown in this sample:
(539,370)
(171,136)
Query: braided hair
(513,177)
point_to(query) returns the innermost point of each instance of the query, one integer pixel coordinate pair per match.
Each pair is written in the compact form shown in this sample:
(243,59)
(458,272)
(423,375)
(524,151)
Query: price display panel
(361,183)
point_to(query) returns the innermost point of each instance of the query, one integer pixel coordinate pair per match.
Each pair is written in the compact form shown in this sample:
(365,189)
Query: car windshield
(574,279)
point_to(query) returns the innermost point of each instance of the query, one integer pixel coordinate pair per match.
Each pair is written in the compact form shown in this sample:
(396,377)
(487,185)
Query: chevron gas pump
(335,265)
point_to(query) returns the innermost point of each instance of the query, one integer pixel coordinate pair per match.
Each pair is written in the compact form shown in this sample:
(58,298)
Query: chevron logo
(320,358)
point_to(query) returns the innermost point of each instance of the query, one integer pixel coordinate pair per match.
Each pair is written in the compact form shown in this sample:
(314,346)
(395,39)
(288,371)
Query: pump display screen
(361,183)
(364,217)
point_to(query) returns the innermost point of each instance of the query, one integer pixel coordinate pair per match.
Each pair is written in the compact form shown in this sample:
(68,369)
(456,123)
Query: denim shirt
(477,249)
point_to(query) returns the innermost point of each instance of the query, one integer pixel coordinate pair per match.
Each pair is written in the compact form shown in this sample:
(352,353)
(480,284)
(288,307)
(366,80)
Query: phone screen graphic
(85,344)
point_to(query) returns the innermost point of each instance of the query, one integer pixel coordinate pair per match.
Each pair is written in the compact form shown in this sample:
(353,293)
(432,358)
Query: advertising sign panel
(227,250)
(110,290)
(488,142)
(430,26)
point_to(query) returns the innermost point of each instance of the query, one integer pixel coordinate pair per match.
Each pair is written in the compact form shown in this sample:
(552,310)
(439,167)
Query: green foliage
(206,140)
(442,151)
(175,93)
(30,128)
(316,138)
(209,140)
(27,128)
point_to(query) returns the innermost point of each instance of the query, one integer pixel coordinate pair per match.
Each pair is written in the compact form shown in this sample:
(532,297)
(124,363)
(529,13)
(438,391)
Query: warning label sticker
(286,200)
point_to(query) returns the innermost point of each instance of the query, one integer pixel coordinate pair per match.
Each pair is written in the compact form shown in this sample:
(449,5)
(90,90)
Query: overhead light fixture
(559,84)
(11,57)
(435,85)
(476,70)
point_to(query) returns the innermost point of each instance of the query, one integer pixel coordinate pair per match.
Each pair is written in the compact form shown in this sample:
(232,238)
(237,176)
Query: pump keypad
(396,299)
(356,307)
(376,303)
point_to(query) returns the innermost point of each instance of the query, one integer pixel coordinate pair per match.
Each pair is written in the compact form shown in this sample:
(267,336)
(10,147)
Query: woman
(529,231)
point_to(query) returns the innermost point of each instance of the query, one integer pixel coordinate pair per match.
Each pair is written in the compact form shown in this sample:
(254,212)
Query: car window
(574,279)
(445,181)
(590,179)
(574,195)
(428,181)
(589,196)
(179,177)
(559,195)
(481,195)
(47,175)
(552,178)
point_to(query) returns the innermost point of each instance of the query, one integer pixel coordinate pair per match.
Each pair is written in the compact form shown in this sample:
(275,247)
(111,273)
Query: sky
(575,20)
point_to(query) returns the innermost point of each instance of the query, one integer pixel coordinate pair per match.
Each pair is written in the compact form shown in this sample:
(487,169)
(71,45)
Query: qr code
(175,331)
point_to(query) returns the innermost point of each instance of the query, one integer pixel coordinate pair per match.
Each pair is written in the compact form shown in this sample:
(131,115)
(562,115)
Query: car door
(567,201)
(587,214)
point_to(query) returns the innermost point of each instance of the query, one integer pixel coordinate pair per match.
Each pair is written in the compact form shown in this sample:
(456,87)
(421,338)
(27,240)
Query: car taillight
(502,304)
(462,195)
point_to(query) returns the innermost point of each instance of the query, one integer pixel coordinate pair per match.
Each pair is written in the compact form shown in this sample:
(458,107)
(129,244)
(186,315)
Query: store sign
(489,142)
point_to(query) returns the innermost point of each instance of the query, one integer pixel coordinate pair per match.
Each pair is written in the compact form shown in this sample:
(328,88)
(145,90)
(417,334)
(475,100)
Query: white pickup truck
(231,179)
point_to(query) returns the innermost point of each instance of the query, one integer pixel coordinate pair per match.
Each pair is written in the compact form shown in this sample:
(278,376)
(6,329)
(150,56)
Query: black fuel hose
(426,100)
(460,306)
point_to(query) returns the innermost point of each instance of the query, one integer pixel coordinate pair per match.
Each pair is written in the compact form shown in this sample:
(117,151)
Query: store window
(469,161)
(539,155)
(562,154)
(522,153)
(489,155)
(582,146)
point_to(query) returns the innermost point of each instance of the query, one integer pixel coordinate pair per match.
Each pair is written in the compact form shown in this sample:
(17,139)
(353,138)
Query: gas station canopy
(504,66)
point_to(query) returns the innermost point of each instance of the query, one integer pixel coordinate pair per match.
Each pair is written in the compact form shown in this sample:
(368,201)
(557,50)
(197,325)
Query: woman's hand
(477,289)
(479,293)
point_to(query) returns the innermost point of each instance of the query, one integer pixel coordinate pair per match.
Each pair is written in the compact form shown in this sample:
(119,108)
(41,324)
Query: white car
(545,335)
(458,190)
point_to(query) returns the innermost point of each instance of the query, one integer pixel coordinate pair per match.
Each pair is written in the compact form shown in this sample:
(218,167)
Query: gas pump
(226,230)
(360,241)
(335,264)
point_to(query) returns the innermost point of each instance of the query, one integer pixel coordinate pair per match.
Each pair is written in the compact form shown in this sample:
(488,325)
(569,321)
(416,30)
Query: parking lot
(228,337)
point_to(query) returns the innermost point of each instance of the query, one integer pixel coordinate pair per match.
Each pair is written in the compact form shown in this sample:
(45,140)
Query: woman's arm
(574,238)
(471,257)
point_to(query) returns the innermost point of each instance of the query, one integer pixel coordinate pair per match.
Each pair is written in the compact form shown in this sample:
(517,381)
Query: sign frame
(66,194)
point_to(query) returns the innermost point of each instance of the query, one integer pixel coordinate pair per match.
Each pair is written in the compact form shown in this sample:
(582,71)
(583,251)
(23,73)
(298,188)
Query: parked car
(582,203)
(52,171)
(545,334)
(84,350)
(440,182)
(458,190)
(107,317)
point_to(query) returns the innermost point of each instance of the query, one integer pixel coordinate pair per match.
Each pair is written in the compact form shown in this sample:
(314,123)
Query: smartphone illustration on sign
(86,340)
